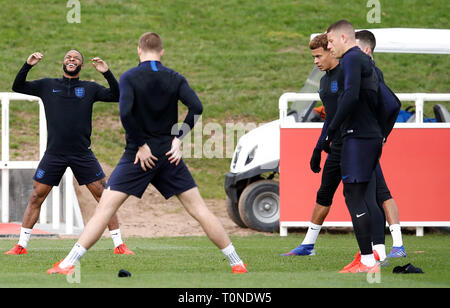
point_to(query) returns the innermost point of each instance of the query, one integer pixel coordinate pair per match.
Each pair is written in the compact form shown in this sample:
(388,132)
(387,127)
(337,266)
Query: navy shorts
(331,177)
(167,178)
(85,168)
(359,157)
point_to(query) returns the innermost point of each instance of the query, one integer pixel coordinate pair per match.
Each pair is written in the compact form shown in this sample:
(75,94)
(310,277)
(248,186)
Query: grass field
(239,56)
(193,262)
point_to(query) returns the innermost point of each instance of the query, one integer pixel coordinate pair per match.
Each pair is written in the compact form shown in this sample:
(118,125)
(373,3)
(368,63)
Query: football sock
(74,256)
(116,237)
(396,235)
(25,235)
(311,234)
(232,255)
(381,250)
(368,260)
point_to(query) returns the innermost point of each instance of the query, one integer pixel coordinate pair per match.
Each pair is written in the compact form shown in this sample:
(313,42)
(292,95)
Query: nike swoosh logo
(359,215)
(56,91)
(345,176)
(97,174)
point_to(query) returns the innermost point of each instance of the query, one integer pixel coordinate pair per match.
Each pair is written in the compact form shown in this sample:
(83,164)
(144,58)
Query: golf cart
(251,186)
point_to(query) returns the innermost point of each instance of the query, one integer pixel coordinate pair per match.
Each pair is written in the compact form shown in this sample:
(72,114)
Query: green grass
(194,262)
(238,55)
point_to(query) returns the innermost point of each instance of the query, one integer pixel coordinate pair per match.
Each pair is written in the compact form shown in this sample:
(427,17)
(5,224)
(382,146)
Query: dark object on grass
(407,269)
(124,273)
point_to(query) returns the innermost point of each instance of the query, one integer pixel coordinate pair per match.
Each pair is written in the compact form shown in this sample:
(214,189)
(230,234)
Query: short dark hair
(150,41)
(367,38)
(341,25)
(319,41)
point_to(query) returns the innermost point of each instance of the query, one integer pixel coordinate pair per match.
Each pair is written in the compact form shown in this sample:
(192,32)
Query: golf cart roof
(410,40)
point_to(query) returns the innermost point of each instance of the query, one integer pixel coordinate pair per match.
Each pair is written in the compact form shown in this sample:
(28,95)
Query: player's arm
(317,152)
(126,102)
(20,84)
(195,108)
(111,94)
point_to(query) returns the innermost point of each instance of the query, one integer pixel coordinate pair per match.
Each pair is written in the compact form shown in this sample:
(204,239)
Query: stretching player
(367,42)
(68,105)
(149,97)
(356,121)
(331,87)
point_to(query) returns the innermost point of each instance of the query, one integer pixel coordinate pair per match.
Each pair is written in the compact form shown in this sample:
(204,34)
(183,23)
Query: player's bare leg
(391,210)
(319,214)
(107,207)
(96,188)
(306,248)
(196,207)
(392,217)
(31,216)
(109,203)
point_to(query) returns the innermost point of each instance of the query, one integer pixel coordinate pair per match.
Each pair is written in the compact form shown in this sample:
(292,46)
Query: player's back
(149,99)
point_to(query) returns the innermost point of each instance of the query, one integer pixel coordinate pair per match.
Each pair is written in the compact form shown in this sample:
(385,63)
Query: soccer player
(331,87)
(366,42)
(149,95)
(68,103)
(356,122)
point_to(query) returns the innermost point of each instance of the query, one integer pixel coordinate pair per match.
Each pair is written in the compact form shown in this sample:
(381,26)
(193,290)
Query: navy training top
(331,87)
(149,95)
(68,106)
(356,115)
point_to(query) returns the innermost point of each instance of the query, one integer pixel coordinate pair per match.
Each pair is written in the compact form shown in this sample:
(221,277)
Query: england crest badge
(334,87)
(79,92)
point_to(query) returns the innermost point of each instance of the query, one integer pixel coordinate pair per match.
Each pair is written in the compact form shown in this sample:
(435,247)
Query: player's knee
(324,198)
(37,197)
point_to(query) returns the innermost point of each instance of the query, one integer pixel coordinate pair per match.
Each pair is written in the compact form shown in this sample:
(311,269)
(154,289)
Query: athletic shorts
(85,168)
(383,192)
(331,177)
(359,158)
(167,178)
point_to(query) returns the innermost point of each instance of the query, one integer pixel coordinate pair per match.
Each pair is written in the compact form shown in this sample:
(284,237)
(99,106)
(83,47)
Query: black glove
(315,160)
(328,139)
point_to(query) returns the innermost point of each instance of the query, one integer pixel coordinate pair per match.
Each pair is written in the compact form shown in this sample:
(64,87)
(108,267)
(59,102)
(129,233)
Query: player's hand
(175,152)
(34,58)
(145,157)
(326,143)
(315,160)
(100,65)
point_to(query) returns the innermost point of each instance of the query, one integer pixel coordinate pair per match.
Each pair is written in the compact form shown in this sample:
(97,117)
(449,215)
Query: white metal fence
(73,217)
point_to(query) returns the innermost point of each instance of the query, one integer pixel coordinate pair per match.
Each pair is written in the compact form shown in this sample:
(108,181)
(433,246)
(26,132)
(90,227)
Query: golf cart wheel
(233,212)
(259,206)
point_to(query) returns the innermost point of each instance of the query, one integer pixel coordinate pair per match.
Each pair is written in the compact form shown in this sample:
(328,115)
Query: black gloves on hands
(327,141)
(315,160)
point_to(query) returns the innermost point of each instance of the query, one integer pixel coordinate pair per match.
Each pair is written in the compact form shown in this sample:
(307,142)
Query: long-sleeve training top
(149,95)
(356,115)
(68,106)
(331,87)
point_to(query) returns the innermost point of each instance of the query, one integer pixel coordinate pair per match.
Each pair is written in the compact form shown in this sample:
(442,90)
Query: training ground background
(239,56)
